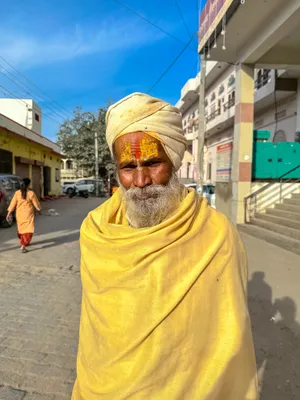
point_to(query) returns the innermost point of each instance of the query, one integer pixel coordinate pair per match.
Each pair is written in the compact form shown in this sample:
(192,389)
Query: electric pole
(96,163)
(201,121)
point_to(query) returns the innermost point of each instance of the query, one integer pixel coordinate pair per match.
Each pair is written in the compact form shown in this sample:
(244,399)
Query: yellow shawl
(164,309)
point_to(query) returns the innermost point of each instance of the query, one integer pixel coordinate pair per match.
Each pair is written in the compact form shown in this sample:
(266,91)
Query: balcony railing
(213,115)
(229,104)
(263,80)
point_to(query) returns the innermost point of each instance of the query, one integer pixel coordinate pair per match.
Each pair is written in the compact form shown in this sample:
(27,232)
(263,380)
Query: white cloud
(27,50)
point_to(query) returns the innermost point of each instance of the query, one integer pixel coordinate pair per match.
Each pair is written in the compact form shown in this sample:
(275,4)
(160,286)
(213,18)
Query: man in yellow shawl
(164,276)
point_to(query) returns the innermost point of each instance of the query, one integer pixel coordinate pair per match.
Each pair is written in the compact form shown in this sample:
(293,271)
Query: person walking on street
(24,202)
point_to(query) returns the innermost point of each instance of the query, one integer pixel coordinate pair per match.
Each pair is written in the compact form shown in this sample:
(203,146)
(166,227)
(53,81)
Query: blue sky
(87,52)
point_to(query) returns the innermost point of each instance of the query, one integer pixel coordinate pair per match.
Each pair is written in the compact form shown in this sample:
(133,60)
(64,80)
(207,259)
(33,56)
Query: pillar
(298,107)
(241,174)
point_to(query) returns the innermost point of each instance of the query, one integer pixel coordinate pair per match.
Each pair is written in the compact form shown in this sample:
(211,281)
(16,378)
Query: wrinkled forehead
(138,146)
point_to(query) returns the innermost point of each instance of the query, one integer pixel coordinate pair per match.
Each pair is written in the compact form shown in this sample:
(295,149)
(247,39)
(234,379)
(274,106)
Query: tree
(76,138)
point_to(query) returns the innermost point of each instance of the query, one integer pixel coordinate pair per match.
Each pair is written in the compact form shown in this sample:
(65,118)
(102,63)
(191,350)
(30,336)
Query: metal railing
(214,114)
(263,80)
(229,104)
(251,201)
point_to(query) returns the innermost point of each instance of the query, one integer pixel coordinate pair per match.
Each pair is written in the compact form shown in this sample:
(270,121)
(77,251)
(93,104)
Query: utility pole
(201,121)
(96,163)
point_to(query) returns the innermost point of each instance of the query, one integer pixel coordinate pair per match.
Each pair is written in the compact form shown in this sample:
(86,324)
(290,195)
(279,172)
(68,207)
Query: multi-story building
(275,110)
(70,173)
(23,149)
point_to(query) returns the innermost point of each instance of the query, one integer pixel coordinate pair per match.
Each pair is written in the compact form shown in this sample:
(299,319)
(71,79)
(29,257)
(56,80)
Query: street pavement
(40,297)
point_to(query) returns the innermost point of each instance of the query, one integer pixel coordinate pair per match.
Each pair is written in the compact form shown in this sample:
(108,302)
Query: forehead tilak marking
(139,149)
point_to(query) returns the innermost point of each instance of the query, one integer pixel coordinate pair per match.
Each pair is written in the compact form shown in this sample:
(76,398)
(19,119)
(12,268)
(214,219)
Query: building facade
(275,110)
(23,149)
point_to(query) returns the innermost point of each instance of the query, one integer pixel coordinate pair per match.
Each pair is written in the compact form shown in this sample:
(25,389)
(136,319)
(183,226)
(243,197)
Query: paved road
(40,297)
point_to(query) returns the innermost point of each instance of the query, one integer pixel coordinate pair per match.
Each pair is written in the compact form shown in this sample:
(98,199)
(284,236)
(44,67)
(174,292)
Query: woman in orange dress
(24,202)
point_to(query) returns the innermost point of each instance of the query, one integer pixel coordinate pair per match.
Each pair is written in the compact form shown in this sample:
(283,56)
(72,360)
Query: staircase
(279,225)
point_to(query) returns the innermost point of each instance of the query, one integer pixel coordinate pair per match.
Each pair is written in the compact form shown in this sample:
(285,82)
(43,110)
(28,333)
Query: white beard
(151,205)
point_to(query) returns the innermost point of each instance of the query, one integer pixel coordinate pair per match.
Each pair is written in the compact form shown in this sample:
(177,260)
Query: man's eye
(152,163)
(129,166)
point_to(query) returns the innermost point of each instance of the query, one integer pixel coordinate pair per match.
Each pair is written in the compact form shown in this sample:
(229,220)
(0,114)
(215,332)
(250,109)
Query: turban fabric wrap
(141,112)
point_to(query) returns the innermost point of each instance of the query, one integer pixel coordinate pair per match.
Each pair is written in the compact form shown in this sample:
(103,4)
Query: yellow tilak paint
(143,150)
(126,154)
(148,149)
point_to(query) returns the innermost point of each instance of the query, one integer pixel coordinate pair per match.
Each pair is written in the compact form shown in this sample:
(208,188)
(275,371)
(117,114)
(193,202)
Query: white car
(83,184)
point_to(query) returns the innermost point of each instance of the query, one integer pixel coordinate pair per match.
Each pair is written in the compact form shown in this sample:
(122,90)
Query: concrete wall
(21,147)
(265,120)
(24,112)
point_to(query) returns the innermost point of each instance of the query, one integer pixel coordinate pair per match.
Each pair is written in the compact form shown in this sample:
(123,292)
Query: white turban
(141,112)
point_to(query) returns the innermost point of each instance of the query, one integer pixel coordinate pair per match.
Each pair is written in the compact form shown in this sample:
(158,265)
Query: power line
(20,100)
(151,23)
(30,94)
(38,98)
(183,19)
(33,84)
(171,65)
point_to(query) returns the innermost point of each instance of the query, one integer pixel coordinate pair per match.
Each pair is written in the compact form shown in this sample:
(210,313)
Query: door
(36,180)
(22,170)
(47,180)
(6,162)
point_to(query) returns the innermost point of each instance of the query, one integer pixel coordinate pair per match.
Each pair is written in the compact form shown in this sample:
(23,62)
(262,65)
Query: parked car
(82,184)
(208,191)
(9,184)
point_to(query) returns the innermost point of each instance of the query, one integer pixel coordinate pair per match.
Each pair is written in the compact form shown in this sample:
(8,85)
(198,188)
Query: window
(69,164)
(279,136)
(221,89)
(57,175)
(206,103)
(280,114)
(231,80)
(213,97)
(37,117)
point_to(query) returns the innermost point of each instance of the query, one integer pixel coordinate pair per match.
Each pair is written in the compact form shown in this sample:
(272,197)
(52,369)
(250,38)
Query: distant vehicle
(68,183)
(88,185)
(208,191)
(81,185)
(9,184)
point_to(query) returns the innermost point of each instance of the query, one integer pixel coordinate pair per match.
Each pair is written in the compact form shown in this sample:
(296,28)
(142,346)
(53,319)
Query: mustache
(148,192)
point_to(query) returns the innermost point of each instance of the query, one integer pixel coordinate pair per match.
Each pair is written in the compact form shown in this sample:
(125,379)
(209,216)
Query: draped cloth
(164,309)
(141,112)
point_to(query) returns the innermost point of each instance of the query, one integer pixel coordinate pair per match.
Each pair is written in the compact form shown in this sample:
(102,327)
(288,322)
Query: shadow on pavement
(51,242)
(276,341)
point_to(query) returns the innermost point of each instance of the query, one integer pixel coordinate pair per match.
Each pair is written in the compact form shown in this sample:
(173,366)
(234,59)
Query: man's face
(151,188)
(141,161)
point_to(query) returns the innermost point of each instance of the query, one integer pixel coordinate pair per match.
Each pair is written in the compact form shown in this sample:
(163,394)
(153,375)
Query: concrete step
(279,240)
(279,220)
(274,227)
(292,201)
(283,214)
(288,207)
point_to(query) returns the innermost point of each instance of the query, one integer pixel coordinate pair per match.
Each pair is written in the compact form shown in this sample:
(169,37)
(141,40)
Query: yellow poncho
(164,309)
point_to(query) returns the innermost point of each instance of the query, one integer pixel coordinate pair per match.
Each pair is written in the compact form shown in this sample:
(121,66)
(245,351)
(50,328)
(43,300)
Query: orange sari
(25,214)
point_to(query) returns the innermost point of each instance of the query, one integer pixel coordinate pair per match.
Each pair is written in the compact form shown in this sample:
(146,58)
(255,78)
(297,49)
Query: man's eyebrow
(127,162)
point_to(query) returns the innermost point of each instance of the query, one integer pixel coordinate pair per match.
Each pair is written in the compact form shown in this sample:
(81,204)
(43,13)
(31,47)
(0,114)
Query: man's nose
(141,177)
